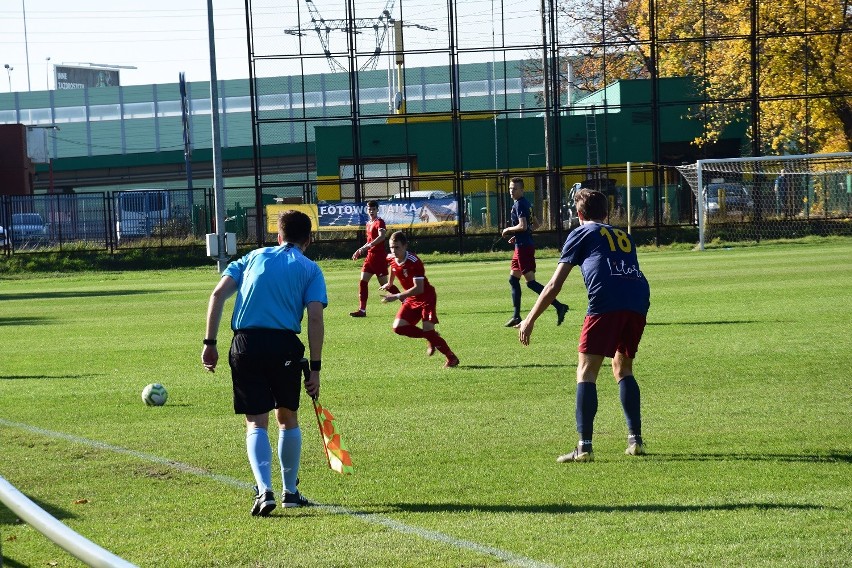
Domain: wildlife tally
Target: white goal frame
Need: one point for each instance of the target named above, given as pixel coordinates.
(701, 166)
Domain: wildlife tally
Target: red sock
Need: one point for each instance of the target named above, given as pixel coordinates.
(409, 331)
(438, 342)
(363, 292)
(393, 289)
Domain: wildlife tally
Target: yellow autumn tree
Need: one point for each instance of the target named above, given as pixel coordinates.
(799, 61)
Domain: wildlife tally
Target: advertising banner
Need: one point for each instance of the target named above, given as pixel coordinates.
(398, 214)
(82, 77)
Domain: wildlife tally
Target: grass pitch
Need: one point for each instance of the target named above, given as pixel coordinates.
(747, 413)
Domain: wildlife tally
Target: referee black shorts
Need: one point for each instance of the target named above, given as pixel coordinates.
(266, 370)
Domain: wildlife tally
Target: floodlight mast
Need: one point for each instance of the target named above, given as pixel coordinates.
(9, 70)
(218, 180)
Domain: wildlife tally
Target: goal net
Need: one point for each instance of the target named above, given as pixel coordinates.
(771, 197)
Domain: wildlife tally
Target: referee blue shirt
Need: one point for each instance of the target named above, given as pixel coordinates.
(275, 284)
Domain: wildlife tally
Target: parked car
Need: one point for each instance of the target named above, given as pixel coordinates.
(570, 220)
(2, 237)
(732, 197)
(27, 227)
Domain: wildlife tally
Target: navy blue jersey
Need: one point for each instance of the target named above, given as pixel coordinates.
(607, 258)
(522, 208)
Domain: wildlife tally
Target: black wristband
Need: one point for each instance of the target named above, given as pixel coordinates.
(316, 365)
(209, 342)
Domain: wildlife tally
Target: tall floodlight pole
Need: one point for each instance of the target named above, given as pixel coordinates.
(187, 140)
(547, 98)
(26, 43)
(218, 187)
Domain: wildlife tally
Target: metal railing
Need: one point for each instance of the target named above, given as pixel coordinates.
(78, 546)
(104, 220)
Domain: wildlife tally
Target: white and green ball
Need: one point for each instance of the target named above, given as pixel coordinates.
(155, 394)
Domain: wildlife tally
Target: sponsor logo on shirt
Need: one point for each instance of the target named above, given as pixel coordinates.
(622, 270)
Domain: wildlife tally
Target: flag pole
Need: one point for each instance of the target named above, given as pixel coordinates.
(306, 371)
(322, 436)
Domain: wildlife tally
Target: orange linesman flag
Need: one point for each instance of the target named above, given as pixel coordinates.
(335, 450)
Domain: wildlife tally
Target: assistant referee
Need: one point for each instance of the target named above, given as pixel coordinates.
(274, 287)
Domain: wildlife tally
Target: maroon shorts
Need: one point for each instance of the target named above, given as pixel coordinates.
(421, 307)
(604, 334)
(523, 260)
(376, 264)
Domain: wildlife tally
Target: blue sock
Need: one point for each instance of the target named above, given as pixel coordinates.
(587, 407)
(515, 283)
(260, 456)
(536, 287)
(289, 453)
(628, 390)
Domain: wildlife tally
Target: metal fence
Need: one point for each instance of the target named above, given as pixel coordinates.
(655, 200)
(104, 220)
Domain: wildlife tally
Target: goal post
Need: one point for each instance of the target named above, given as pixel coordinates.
(770, 196)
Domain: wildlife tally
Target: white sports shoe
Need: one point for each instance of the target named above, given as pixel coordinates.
(635, 448)
(576, 456)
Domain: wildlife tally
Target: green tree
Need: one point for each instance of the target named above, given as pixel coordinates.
(803, 61)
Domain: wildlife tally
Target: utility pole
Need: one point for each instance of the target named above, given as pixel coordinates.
(547, 99)
(26, 43)
(218, 186)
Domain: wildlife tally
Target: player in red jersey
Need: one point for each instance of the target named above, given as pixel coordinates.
(376, 261)
(418, 299)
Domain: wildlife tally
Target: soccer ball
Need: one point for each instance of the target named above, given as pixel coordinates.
(155, 394)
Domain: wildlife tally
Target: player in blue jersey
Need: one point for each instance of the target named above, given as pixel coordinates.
(274, 287)
(619, 298)
(519, 233)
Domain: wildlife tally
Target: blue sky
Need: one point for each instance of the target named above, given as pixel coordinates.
(162, 38)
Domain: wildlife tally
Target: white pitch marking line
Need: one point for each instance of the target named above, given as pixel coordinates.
(510, 558)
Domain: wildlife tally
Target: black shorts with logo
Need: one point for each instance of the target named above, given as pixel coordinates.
(266, 370)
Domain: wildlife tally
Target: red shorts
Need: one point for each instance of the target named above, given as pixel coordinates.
(375, 264)
(604, 334)
(421, 307)
(523, 260)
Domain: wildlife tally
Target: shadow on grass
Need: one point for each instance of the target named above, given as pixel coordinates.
(568, 508)
(10, 519)
(720, 322)
(63, 295)
(507, 312)
(7, 517)
(532, 366)
(830, 457)
(26, 320)
(14, 377)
